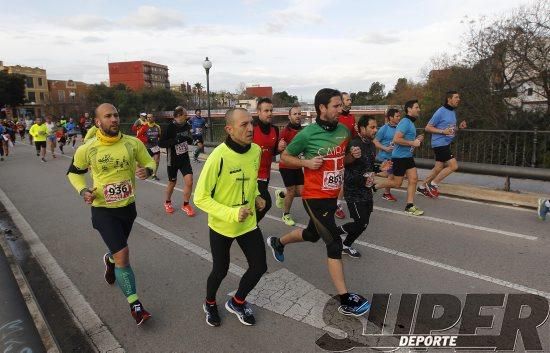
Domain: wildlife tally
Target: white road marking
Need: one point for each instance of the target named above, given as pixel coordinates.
(82, 313)
(446, 221)
(440, 265)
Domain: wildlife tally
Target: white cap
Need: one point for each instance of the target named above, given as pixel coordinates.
(143, 114)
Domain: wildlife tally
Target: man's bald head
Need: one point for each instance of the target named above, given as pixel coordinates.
(100, 110)
(230, 113)
(238, 125)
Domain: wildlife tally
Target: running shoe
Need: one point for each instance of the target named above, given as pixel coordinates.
(433, 190)
(542, 209)
(352, 252)
(212, 315)
(425, 192)
(389, 197)
(243, 312)
(188, 210)
(279, 200)
(139, 313)
(340, 212)
(168, 207)
(289, 221)
(54, 156)
(109, 269)
(357, 306)
(155, 177)
(196, 160)
(414, 211)
(43, 160)
(276, 248)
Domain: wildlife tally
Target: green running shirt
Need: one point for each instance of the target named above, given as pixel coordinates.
(113, 169)
(222, 192)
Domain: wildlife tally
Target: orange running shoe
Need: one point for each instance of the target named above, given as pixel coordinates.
(168, 207)
(189, 210)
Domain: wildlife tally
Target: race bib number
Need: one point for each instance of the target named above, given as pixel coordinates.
(155, 149)
(333, 180)
(198, 130)
(118, 191)
(181, 148)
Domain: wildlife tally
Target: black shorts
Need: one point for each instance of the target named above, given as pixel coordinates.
(401, 165)
(443, 153)
(292, 177)
(83, 132)
(151, 153)
(184, 168)
(114, 225)
(322, 225)
(198, 139)
(39, 144)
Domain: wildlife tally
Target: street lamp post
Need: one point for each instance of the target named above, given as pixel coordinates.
(207, 64)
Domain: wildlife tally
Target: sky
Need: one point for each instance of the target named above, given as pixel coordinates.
(295, 45)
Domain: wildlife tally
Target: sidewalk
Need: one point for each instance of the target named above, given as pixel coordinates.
(17, 330)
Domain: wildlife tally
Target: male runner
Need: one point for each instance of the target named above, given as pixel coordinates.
(443, 128)
(267, 137)
(293, 178)
(176, 138)
(112, 159)
(39, 132)
(198, 126)
(61, 137)
(405, 141)
(384, 142)
(149, 134)
(28, 124)
(324, 146)
(70, 126)
(348, 120)
(51, 138)
(228, 191)
(140, 121)
(358, 182)
(543, 208)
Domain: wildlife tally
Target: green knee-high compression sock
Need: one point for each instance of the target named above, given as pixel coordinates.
(127, 282)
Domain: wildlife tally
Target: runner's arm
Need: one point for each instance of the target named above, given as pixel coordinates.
(77, 170)
(398, 139)
(206, 185)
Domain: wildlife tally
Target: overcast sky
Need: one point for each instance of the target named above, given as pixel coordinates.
(293, 45)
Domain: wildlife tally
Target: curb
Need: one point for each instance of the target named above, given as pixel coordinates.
(46, 336)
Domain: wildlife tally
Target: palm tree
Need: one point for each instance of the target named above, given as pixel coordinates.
(198, 87)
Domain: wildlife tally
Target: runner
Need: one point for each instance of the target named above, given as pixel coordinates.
(384, 142)
(83, 125)
(405, 141)
(21, 128)
(358, 182)
(112, 157)
(28, 123)
(227, 190)
(71, 132)
(348, 120)
(39, 132)
(267, 137)
(176, 138)
(5, 138)
(443, 128)
(198, 126)
(61, 137)
(543, 208)
(149, 134)
(140, 121)
(293, 178)
(323, 145)
(3, 141)
(51, 138)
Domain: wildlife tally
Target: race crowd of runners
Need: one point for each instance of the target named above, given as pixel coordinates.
(334, 158)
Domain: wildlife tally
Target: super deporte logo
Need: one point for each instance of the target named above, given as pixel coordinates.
(488, 322)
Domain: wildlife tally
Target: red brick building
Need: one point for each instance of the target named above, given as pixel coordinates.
(67, 98)
(257, 91)
(139, 74)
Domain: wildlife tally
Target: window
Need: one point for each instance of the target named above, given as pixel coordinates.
(40, 82)
(42, 97)
(529, 91)
(61, 96)
(32, 97)
(30, 82)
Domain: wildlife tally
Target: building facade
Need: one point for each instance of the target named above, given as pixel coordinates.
(68, 98)
(259, 91)
(139, 74)
(36, 90)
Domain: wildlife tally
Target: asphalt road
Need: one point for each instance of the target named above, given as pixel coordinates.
(458, 247)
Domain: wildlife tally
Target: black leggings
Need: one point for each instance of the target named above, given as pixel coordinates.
(263, 188)
(323, 226)
(360, 212)
(252, 245)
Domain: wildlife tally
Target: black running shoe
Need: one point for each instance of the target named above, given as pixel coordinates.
(212, 315)
(109, 270)
(243, 312)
